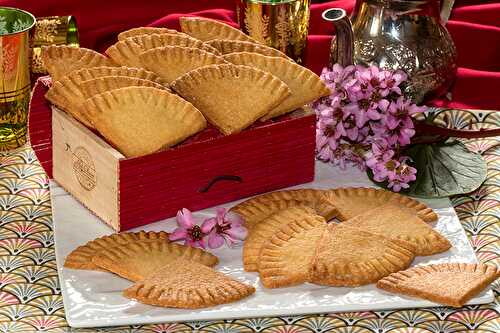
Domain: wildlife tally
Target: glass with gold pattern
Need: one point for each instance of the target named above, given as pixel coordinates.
(282, 24)
(15, 27)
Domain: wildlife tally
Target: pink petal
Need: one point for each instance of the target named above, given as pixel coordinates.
(208, 225)
(179, 233)
(200, 243)
(237, 232)
(215, 240)
(235, 219)
(185, 218)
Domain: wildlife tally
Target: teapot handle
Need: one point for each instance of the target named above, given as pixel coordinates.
(446, 7)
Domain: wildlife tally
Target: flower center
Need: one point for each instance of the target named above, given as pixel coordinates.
(222, 228)
(195, 233)
(376, 96)
(390, 165)
(390, 83)
(374, 82)
(364, 104)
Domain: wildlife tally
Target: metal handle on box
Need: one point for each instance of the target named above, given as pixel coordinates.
(219, 178)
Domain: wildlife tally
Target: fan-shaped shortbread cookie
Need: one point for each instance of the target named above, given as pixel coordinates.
(352, 201)
(171, 62)
(145, 31)
(396, 222)
(162, 119)
(226, 46)
(206, 29)
(306, 86)
(188, 285)
(86, 74)
(126, 52)
(81, 257)
(99, 85)
(257, 208)
(263, 231)
(451, 284)
(347, 256)
(69, 95)
(286, 257)
(231, 97)
(136, 261)
(62, 60)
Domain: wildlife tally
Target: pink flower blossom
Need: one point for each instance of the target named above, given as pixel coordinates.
(365, 122)
(188, 230)
(226, 227)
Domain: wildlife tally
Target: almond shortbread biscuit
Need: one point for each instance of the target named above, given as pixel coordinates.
(352, 201)
(349, 257)
(451, 284)
(188, 285)
(263, 231)
(285, 259)
(81, 257)
(396, 222)
(135, 261)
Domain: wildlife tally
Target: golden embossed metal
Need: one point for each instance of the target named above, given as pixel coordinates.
(280, 24)
(52, 30)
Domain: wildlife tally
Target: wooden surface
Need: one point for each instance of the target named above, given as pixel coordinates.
(86, 166)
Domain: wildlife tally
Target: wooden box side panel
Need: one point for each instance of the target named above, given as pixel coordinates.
(86, 166)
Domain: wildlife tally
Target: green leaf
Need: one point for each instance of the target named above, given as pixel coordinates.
(444, 169)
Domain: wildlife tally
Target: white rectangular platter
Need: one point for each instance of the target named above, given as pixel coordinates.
(94, 299)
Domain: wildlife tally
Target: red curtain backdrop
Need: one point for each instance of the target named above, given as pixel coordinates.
(474, 26)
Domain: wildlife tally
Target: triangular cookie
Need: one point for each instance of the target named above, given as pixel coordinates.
(149, 42)
(69, 95)
(306, 86)
(451, 284)
(95, 72)
(396, 222)
(162, 118)
(263, 231)
(188, 285)
(347, 256)
(81, 257)
(231, 97)
(171, 62)
(259, 207)
(61, 60)
(136, 261)
(226, 46)
(145, 31)
(99, 85)
(287, 255)
(206, 29)
(352, 201)
(126, 52)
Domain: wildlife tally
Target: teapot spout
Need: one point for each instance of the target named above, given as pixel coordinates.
(341, 50)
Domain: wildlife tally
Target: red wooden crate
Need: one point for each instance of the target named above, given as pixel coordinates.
(207, 170)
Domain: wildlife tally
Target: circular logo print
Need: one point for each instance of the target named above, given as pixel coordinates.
(84, 169)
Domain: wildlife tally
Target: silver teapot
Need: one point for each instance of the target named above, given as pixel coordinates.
(397, 34)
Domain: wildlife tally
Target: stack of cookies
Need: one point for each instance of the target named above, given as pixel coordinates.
(164, 273)
(155, 87)
(376, 237)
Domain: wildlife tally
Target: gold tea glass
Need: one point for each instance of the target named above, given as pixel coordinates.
(52, 30)
(15, 27)
(282, 24)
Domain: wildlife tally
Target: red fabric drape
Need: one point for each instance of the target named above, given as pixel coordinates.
(474, 26)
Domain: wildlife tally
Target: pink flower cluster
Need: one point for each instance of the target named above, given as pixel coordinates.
(366, 121)
(225, 227)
